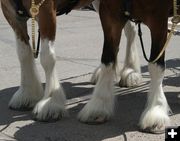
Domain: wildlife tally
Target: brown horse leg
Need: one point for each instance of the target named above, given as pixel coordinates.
(131, 73)
(52, 106)
(30, 90)
(100, 108)
(155, 116)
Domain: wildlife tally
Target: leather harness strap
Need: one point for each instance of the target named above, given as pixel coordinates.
(20, 9)
(127, 7)
(22, 12)
(127, 4)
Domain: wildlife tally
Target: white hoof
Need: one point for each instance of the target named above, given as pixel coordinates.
(101, 106)
(96, 111)
(95, 75)
(50, 108)
(154, 120)
(130, 78)
(25, 98)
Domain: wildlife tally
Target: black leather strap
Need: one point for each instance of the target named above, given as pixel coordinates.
(127, 7)
(20, 9)
(178, 2)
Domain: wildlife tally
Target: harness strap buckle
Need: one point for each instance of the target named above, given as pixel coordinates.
(34, 10)
(176, 19)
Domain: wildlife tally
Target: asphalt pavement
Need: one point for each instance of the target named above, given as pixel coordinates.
(78, 48)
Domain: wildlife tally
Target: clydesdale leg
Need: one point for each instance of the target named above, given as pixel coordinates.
(52, 105)
(131, 73)
(101, 106)
(155, 116)
(30, 90)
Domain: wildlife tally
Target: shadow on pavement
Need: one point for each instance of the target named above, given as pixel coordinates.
(73, 90)
(129, 106)
(128, 110)
(9, 116)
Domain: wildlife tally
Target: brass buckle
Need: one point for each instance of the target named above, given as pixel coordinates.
(34, 10)
(176, 19)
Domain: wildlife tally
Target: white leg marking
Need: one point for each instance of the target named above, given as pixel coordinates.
(52, 106)
(97, 71)
(131, 73)
(100, 108)
(30, 91)
(155, 117)
(95, 75)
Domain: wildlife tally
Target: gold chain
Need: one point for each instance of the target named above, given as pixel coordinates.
(175, 20)
(175, 7)
(34, 10)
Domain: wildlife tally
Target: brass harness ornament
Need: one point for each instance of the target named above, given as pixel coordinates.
(34, 11)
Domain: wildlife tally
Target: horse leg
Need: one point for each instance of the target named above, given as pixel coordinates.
(30, 90)
(155, 116)
(100, 108)
(131, 72)
(52, 105)
(97, 71)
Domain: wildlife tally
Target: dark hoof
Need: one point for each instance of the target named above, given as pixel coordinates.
(22, 108)
(48, 118)
(153, 130)
(94, 121)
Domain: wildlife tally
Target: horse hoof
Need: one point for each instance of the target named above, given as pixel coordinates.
(94, 120)
(47, 110)
(47, 118)
(179, 96)
(21, 108)
(93, 116)
(23, 100)
(130, 79)
(154, 120)
(154, 130)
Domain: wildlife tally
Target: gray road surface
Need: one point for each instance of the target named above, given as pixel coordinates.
(78, 46)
